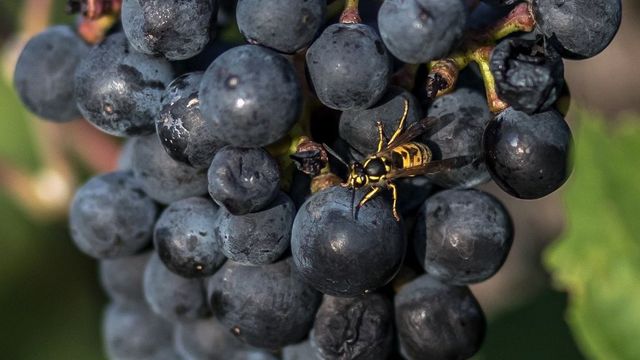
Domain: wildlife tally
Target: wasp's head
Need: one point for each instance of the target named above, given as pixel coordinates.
(357, 175)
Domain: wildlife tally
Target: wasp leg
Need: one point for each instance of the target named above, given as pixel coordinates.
(394, 195)
(381, 139)
(374, 190)
(405, 113)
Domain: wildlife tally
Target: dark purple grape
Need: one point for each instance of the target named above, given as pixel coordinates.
(528, 155)
(267, 306)
(436, 321)
(463, 115)
(43, 76)
(259, 237)
(121, 278)
(359, 129)
(118, 89)
(111, 216)
(285, 26)
(579, 29)
(463, 236)
(341, 255)
(171, 296)
(353, 328)
(418, 31)
(349, 67)
(251, 96)
(133, 332)
(185, 238)
(176, 29)
(162, 178)
(528, 74)
(243, 180)
(182, 130)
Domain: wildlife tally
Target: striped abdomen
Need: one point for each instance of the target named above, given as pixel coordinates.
(410, 155)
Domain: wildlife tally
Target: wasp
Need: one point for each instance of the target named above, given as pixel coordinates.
(396, 158)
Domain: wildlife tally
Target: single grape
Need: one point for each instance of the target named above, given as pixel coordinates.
(133, 332)
(111, 216)
(463, 236)
(528, 155)
(349, 66)
(285, 26)
(353, 328)
(185, 238)
(462, 115)
(183, 132)
(260, 237)
(243, 180)
(177, 29)
(267, 306)
(418, 31)
(171, 296)
(121, 278)
(162, 178)
(436, 321)
(358, 127)
(579, 29)
(205, 339)
(528, 74)
(118, 89)
(248, 107)
(43, 77)
(342, 255)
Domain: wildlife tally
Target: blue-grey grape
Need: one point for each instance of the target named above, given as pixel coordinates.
(43, 76)
(268, 306)
(111, 216)
(259, 237)
(185, 238)
(172, 296)
(285, 26)
(118, 89)
(349, 66)
(248, 107)
(177, 29)
(162, 178)
(121, 278)
(243, 180)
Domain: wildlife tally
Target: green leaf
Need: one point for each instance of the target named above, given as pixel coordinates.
(598, 258)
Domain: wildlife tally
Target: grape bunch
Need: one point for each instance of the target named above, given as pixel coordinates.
(253, 213)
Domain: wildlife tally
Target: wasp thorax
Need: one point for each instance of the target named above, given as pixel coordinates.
(375, 167)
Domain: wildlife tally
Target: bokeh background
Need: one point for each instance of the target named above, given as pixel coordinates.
(570, 288)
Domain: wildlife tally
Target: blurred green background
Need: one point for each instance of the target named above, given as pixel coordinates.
(569, 290)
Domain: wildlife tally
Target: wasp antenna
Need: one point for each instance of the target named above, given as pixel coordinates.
(335, 155)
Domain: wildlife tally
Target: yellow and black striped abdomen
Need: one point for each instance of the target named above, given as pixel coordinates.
(410, 155)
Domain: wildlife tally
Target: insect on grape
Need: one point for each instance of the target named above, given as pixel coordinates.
(396, 158)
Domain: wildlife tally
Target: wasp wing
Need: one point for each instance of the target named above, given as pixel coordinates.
(418, 128)
(432, 167)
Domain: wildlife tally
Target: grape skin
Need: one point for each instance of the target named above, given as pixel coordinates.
(111, 216)
(42, 73)
(349, 67)
(125, 98)
(146, 25)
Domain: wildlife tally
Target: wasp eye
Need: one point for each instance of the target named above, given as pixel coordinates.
(375, 167)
